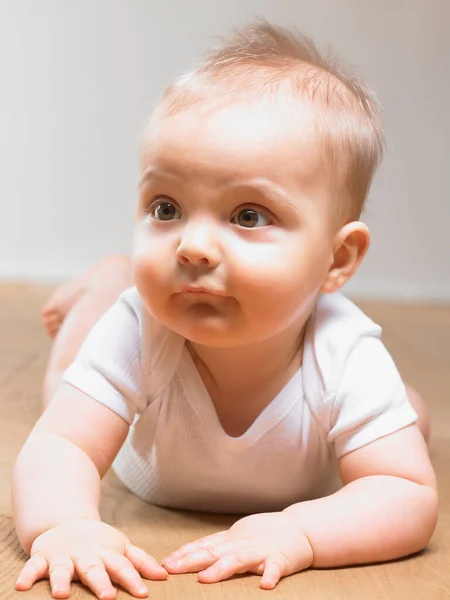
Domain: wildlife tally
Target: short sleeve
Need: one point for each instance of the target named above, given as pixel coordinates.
(371, 400)
(108, 364)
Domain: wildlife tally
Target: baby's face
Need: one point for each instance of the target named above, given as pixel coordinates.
(233, 235)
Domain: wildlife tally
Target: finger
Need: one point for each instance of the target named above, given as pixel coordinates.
(145, 564)
(238, 561)
(122, 571)
(205, 542)
(60, 573)
(93, 574)
(35, 568)
(259, 570)
(195, 561)
(273, 572)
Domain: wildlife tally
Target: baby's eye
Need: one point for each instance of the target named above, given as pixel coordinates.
(165, 211)
(251, 218)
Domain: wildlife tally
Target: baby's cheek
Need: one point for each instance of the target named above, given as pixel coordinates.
(149, 272)
(146, 265)
(269, 271)
(142, 240)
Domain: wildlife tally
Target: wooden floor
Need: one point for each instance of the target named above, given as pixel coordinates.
(419, 340)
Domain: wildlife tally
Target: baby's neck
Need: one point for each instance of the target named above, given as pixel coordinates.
(237, 371)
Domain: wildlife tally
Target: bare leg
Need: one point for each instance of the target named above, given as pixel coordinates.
(65, 296)
(79, 304)
(423, 421)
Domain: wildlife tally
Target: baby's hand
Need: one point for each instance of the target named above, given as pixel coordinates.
(269, 544)
(93, 552)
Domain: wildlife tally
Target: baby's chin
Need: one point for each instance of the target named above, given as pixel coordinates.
(207, 329)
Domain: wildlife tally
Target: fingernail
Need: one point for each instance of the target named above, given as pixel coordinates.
(142, 589)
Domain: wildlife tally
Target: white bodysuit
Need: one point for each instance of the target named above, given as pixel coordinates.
(346, 394)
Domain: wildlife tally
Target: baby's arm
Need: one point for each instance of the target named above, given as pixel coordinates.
(386, 509)
(56, 488)
(57, 473)
(388, 505)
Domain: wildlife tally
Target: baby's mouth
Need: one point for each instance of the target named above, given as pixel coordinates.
(201, 290)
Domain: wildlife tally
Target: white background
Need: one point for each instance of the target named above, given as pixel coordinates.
(78, 79)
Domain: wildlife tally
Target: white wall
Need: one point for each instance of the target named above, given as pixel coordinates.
(78, 78)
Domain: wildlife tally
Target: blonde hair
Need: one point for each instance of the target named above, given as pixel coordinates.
(266, 61)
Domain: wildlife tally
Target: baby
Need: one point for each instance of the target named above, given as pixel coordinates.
(222, 370)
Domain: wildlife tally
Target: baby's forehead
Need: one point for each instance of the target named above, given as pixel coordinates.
(235, 148)
(256, 109)
(263, 131)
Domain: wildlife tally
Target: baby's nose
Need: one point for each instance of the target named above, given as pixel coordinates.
(198, 247)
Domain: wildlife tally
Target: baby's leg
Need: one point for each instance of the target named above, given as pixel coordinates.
(423, 421)
(79, 304)
(65, 296)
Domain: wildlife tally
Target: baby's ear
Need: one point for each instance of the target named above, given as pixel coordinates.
(351, 244)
